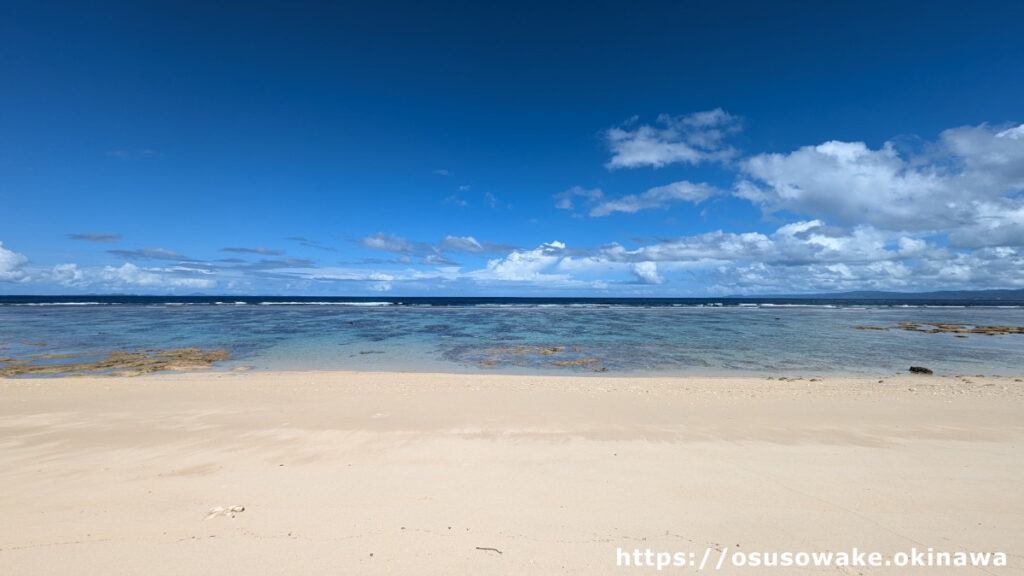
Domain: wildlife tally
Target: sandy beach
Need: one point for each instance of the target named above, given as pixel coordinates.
(404, 473)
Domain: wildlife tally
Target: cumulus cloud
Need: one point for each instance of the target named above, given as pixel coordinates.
(992, 161)
(797, 243)
(526, 265)
(129, 274)
(799, 257)
(10, 264)
(1016, 133)
(96, 237)
(949, 215)
(995, 223)
(68, 275)
(950, 271)
(968, 185)
(647, 273)
(851, 184)
(803, 256)
(658, 197)
(690, 139)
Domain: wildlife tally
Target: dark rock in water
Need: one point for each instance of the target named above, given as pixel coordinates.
(919, 370)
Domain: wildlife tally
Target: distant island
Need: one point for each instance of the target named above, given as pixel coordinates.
(960, 295)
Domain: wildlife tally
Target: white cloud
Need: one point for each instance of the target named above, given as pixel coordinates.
(526, 265)
(968, 185)
(565, 199)
(431, 254)
(997, 223)
(712, 247)
(380, 282)
(688, 139)
(1016, 133)
(387, 243)
(10, 264)
(436, 259)
(376, 281)
(797, 243)
(985, 268)
(992, 162)
(647, 273)
(454, 199)
(191, 283)
(799, 257)
(852, 217)
(68, 275)
(811, 256)
(462, 244)
(131, 275)
(658, 197)
(851, 184)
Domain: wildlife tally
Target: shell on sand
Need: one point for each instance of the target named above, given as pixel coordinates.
(225, 511)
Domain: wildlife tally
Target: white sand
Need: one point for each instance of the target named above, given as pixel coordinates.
(386, 473)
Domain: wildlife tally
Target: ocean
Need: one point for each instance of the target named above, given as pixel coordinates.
(724, 336)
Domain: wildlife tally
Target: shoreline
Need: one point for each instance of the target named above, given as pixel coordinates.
(768, 380)
(430, 473)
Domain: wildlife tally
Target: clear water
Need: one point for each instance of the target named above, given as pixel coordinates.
(623, 338)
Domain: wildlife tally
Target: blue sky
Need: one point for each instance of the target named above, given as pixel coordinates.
(520, 148)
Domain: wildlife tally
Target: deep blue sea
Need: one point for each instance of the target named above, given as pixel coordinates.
(760, 337)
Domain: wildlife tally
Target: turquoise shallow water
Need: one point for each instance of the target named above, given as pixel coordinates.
(575, 337)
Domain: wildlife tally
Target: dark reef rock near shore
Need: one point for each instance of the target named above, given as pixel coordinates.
(961, 330)
(543, 351)
(577, 362)
(519, 356)
(919, 370)
(946, 328)
(117, 363)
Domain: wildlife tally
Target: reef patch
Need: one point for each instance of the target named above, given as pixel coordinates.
(116, 363)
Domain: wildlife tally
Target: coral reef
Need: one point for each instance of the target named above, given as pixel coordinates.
(117, 363)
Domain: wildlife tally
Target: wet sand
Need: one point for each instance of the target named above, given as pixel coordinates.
(396, 473)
